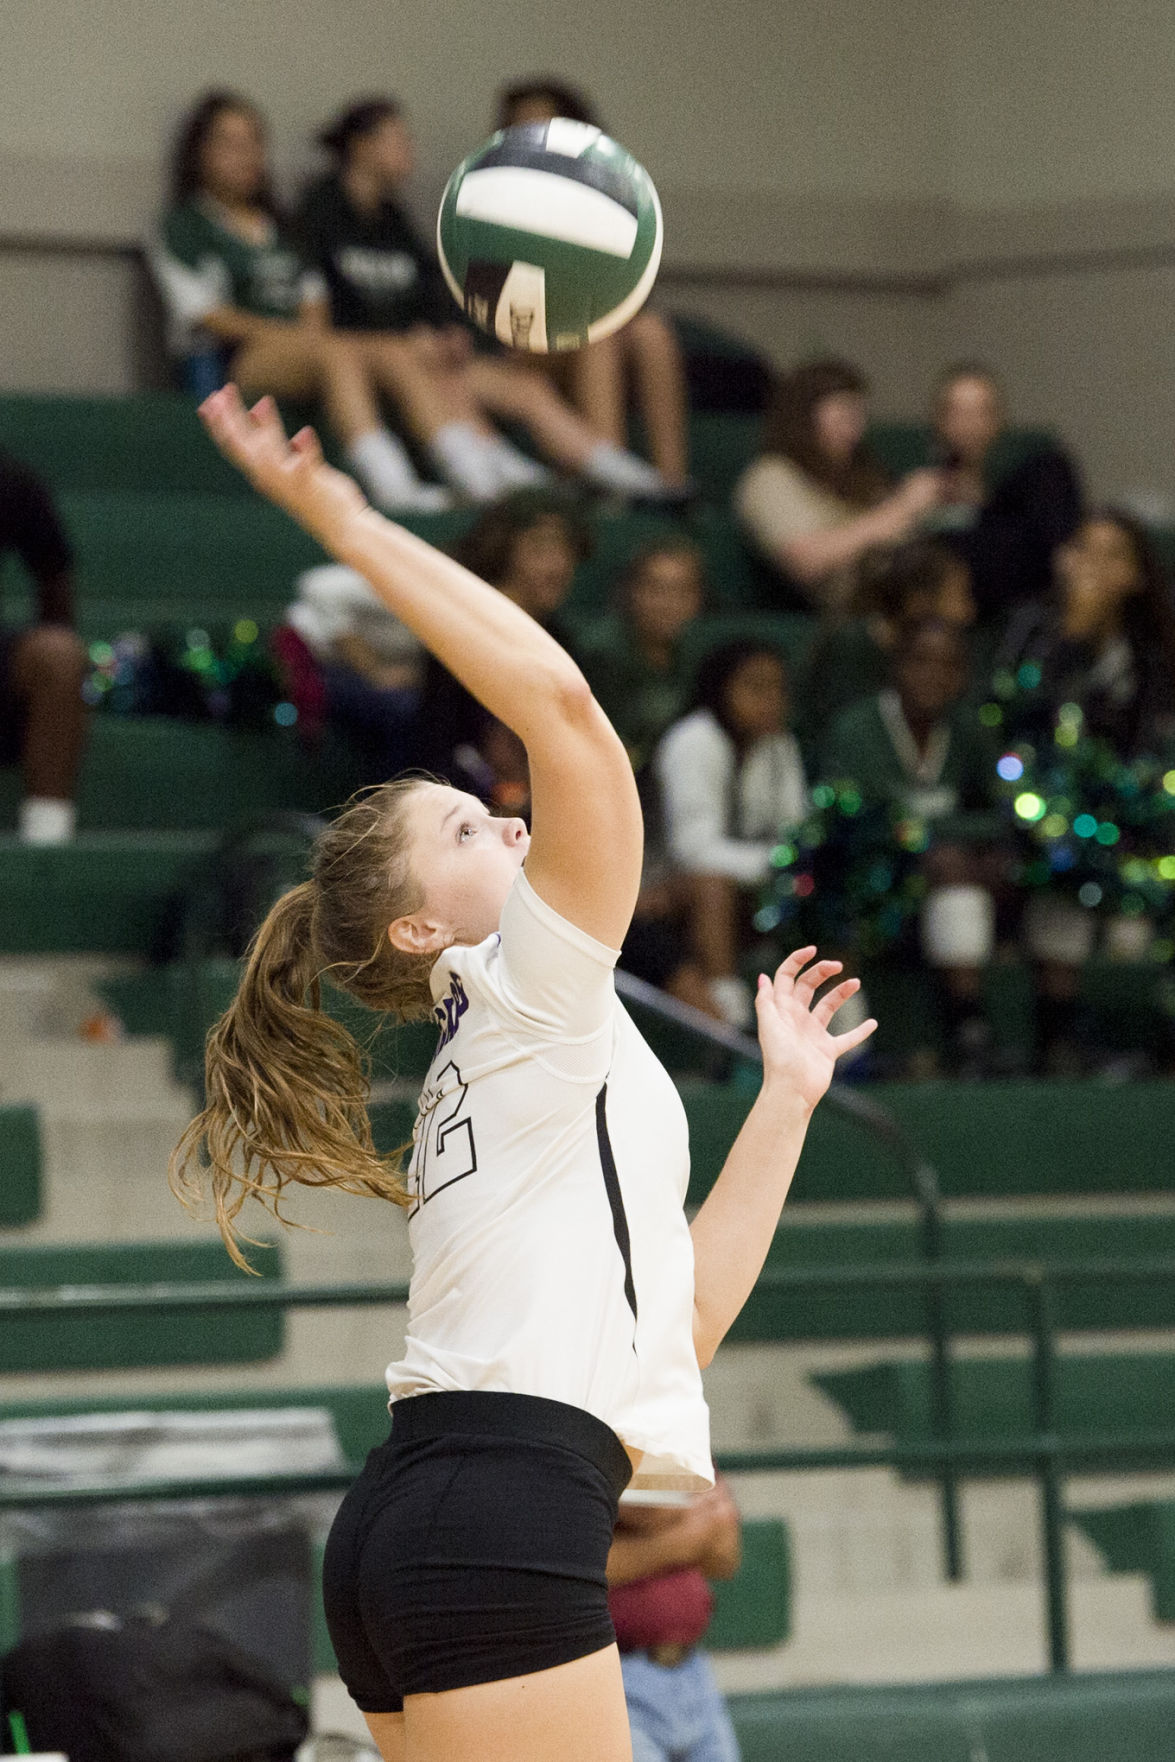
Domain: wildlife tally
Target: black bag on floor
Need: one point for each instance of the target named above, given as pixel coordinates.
(104, 1689)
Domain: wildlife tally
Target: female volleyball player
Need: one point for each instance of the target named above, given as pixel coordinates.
(560, 1307)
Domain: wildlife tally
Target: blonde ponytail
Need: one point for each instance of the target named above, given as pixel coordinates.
(287, 1085)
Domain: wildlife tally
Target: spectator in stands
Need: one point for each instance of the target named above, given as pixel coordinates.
(921, 578)
(528, 546)
(242, 301)
(367, 667)
(1007, 526)
(387, 295)
(633, 659)
(1104, 640)
(644, 354)
(918, 752)
(730, 779)
(42, 666)
(661, 1605)
(816, 500)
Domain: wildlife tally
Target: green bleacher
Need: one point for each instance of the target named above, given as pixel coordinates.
(118, 1340)
(1099, 1396)
(1080, 1718)
(21, 1165)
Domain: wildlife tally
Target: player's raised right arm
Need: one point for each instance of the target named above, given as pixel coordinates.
(586, 833)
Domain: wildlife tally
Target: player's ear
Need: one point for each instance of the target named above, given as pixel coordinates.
(418, 933)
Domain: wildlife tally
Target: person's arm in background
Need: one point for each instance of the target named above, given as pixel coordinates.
(810, 553)
(651, 1540)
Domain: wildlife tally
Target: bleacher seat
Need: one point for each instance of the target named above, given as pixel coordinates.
(1118, 1395)
(986, 1140)
(21, 1165)
(120, 1340)
(753, 1610)
(1078, 1718)
(1138, 1537)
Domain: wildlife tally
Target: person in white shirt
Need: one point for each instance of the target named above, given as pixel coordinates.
(731, 781)
(560, 1310)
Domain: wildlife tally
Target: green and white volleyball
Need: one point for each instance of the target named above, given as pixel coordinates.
(550, 236)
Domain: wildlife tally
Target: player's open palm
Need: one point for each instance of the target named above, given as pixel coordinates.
(794, 1029)
(291, 473)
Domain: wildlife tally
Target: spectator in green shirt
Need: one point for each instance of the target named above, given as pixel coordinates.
(633, 662)
(243, 304)
(851, 660)
(918, 750)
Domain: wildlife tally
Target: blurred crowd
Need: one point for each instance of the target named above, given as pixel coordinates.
(943, 738)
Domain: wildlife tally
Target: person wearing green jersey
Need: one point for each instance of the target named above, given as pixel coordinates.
(241, 300)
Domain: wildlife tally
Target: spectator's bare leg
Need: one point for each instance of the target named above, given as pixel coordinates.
(658, 374)
(526, 395)
(427, 393)
(308, 363)
(48, 668)
(598, 387)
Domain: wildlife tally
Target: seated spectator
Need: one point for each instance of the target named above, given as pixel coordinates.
(919, 579)
(658, 1566)
(43, 666)
(917, 751)
(387, 295)
(528, 546)
(644, 354)
(730, 780)
(816, 501)
(243, 304)
(1103, 642)
(1005, 528)
(368, 666)
(633, 660)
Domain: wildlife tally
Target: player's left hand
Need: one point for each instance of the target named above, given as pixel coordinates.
(798, 1048)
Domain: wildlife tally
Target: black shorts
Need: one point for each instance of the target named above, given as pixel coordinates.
(473, 1546)
(11, 713)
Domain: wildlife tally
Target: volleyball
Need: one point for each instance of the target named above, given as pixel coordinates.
(550, 236)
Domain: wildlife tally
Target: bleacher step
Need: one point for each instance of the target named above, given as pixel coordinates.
(952, 1632)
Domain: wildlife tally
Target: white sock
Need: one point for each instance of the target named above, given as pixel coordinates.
(734, 998)
(613, 468)
(381, 463)
(43, 819)
(514, 468)
(469, 460)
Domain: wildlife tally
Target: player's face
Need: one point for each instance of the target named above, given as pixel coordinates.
(839, 421)
(756, 697)
(932, 674)
(542, 566)
(232, 159)
(465, 860)
(388, 151)
(534, 107)
(665, 596)
(969, 417)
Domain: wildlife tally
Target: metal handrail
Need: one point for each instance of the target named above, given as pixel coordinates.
(1043, 1450)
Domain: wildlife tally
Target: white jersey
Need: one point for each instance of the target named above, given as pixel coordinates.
(551, 1253)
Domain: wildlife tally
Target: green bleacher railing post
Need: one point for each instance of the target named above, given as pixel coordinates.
(1038, 1291)
(941, 1396)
